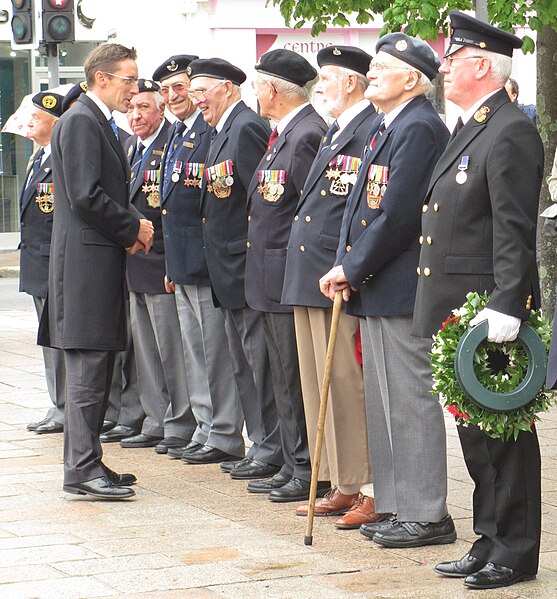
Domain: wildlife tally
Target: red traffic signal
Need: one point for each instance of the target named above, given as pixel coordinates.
(58, 21)
(22, 21)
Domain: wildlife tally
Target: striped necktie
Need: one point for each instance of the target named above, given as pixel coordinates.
(112, 123)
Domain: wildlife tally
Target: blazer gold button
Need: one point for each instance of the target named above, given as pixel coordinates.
(296, 217)
(436, 207)
(424, 208)
(203, 220)
(302, 248)
(164, 210)
(249, 218)
(308, 219)
(323, 192)
(364, 224)
(428, 240)
(427, 272)
(421, 239)
(348, 248)
(248, 244)
(419, 271)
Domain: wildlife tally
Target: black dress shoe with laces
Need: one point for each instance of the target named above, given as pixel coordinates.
(207, 455)
(101, 487)
(49, 427)
(297, 489)
(466, 565)
(369, 530)
(417, 534)
(119, 432)
(493, 576)
(266, 485)
(252, 470)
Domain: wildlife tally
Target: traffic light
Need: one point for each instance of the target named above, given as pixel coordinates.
(23, 22)
(58, 21)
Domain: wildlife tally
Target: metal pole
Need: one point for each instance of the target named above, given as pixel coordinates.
(481, 10)
(53, 66)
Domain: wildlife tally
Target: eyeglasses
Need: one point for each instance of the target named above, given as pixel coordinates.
(450, 59)
(177, 88)
(380, 67)
(200, 95)
(129, 81)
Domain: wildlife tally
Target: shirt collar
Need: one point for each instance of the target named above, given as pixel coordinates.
(102, 106)
(473, 109)
(149, 140)
(350, 113)
(281, 125)
(389, 118)
(225, 116)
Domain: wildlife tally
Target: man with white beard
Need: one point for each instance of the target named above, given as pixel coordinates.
(339, 94)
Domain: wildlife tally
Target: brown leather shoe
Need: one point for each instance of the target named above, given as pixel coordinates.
(361, 512)
(333, 504)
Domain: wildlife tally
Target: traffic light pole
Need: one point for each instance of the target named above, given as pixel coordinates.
(53, 66)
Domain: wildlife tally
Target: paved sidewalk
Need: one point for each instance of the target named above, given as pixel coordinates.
(193, 533)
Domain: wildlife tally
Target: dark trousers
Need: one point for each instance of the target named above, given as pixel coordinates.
(507, 497)
(88, 380)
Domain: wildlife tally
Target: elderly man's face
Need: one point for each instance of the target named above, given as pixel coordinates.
(175, 90)
(144, 116)
(387, 78)
(329, 91)
(211, 96)
(40, 126)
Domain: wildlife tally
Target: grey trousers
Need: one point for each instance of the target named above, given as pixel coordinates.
(406, 430)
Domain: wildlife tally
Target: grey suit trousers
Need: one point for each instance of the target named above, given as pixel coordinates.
(214, 397)
(161, 372)
(55, 373)
(406, 430)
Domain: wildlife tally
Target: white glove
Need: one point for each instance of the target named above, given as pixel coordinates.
(502, 327)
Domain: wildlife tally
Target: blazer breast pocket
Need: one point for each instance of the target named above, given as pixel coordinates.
(93, 237)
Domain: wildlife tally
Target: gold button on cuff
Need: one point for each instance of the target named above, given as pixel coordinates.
(436, 207)
(428, 240)
(427, 272)
(296, 217)
(421, 239)
(308, 219)
(203, 220)
(249, 218)
(248, 244)
(418, 270)
(164, 210)
(424, 208)
(348, 248)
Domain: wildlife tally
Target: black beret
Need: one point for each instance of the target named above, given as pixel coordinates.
(412, 51)
(173, 66)
(49, 102)
(348, 57)
(468, 31)
(73, 94)
(147, 85)
(286, 65)
(216, 68)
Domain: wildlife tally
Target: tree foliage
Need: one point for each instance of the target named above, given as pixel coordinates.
(420, 18)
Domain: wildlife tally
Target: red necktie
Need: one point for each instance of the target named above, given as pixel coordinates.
(378, 134)
(272, 138)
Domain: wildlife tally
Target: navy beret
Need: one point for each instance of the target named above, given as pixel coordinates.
(348, 57)
(147, 85)
(49, 102)
(216, 68)
(412, 51)
(286, 65)
(173, 65)
(73, 94)
(468, 31)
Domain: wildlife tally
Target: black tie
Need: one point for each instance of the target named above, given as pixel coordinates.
(329, 135)
(178, 133)
(36, 165)
(137, 157)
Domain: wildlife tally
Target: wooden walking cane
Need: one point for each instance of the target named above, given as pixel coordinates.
(308, 539)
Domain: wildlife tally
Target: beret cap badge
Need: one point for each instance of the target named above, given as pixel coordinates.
(49, 101)
(172, 66)
(401, 45)
(188, 70)
(337, 52)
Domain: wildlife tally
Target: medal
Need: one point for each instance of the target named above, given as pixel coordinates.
(377, 179)
(220, 178)
(343, 172)
(462, 176)
(151, 187)
(44, 198)
(194, 174)
(175, 177)
(271, 184)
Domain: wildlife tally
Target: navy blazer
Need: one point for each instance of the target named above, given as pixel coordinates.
(36, 232)
(378, 246)
(243, 140)
(270, 220)
(181, 218)
(145, 273)
(315, 229)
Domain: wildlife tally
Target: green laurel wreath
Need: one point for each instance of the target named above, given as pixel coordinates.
(497, 425)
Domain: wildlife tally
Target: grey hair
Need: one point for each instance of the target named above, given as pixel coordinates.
(501, 65)
(285, 87)
(361, 79)
(158, 99)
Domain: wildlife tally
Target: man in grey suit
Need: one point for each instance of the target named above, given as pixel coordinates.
(93, 228)
(36, 208)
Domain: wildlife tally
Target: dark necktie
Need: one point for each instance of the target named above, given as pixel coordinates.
(458, 127)
(272, 138)
(112, 123)
(136, 160)
(172, 150)
(329, 135)
(36, 165)
(378, 134)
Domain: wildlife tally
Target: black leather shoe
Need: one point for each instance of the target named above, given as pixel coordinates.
(176, 453)
(267, 485)
(108, 425)
(140, 440)
(461, 568)
(119, 432)
(297, 490)
(120, 480)
(101, 487)
(169, 442)
(229, 466)
(369, 530)
(417, 534)
(253, 469)
(492, 576)
(33, 426)
(207, 455)
(49, 427)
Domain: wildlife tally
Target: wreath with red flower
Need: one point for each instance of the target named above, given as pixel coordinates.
(500, 367)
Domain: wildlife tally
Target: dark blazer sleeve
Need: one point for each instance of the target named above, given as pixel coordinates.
(81, 140)
(251, 144)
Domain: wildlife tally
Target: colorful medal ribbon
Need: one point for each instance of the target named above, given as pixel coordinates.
(194, 174)
(220, 179)
(343, 171)
(271, 184)
(44, 198)
(151, 187)
(377, 179)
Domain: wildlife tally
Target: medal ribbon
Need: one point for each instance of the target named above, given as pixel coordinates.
(348, 164)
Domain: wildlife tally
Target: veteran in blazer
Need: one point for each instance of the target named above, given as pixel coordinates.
(36, 209)
(312, 246)
(479, 227)
(282, 88)
(376, 268)
(213, 395)
(238, 143)
(93, 227)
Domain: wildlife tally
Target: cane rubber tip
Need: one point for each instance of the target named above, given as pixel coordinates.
(308, 540)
